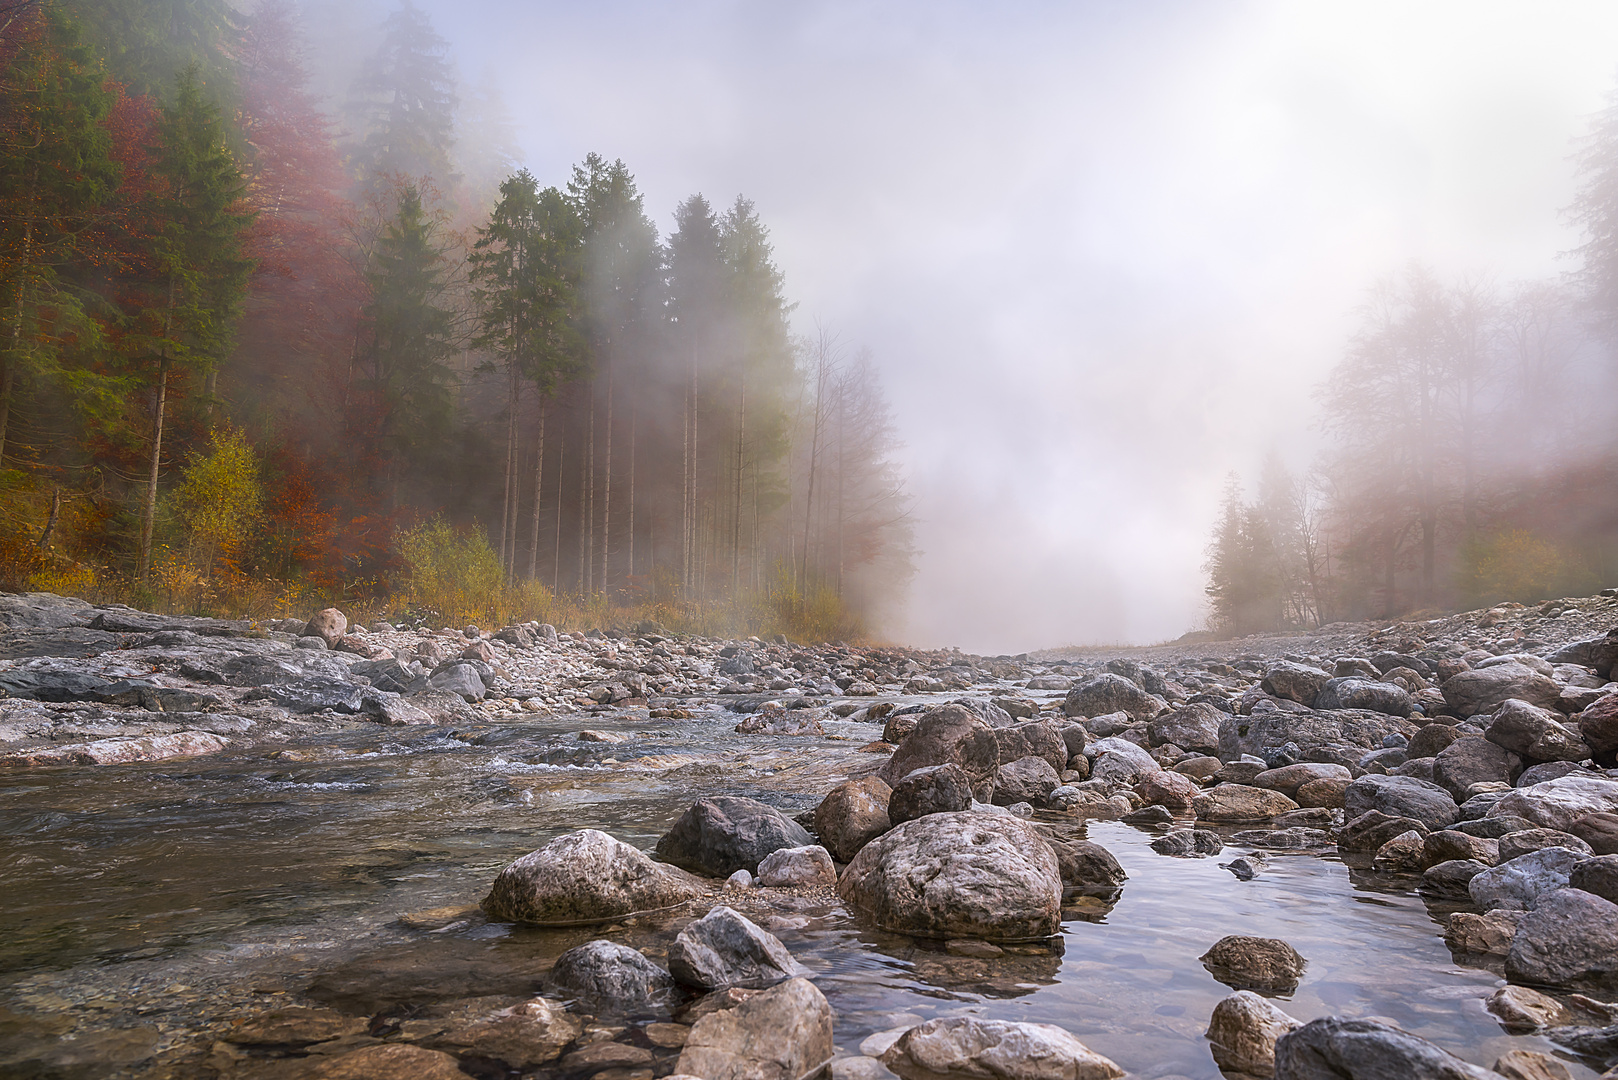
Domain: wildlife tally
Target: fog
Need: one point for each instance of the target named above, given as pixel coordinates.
(1102, 253)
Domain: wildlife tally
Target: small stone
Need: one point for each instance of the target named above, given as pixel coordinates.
(1254, 963)
(809, 865)
(1530, 1065)
(1521, 1009)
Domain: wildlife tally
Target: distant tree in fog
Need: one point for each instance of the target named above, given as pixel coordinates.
(403, 104)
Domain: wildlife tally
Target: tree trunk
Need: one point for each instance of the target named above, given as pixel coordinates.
(539, 488)
(561, 466)
(9, 376)
(508, 556)
(634, 414)
(606, 497)
(741, 458)
(148, 510)
(50, 522)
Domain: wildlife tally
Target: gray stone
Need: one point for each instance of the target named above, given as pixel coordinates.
(583, 877)
(1472, 759)
(961, 1047)
(1335, 1049)
(1364, 694)
(1037, 738)
(1451, 879)
(610, 977)
(948, 734)
(1299, 682)
(1483, 689)
(1557, 804)
(1401, 796)
(459, 678)
(1119, 761)
(783, 1033)
(1597, 876)
(1086, 866)
(726, 833)
(1546, 770)
(937, 789)
(1030, 780)
(1570, 939)
(1369, 831)
(724, 948)
(1188, 843)
(1534, 733)
(1190, 727)
(1521, 883)
(797, 866)
(1289, 778)
(1523, 841)
(1110, 693)
(853, 814)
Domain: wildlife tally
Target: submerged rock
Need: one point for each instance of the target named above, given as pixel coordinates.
(969, 1047)
(724, 948)
(782, 1033)
(610, 976)
(1332, 1048)
(1254, 963)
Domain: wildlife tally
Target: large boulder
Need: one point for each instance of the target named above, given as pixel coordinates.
(969, 1047)
(1598, 723)
(1311, 735)
(1029, 780)
(328, 624)
(1558, 804)
(1255, 963)
(1352, 693)
(1520, 884)
(1297, 682)
(1193, 727)
(1599, 830)
(1598, 876)
(1402, 796)
(782, 1033)
(610, 976)
(1086, 866)
(1472, 759)
(1289, 778)
(721, 835)
(1369, 831)
(1481, 690)
(1036, 738)
(988, 876)
(1119, 761)
(1332, 1048)
(1570, 939)
(948, 734)
(1110, 693)
(853, 814)
(1173, 790)
(1534, 733)
(583, 877)
(937, 789)
(1226, 804)
(725, 948)
(1242, 1033)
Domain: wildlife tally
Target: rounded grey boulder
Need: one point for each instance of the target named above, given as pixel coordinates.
(727, 833)
(610, 976)
(937, 789)
(583, 877)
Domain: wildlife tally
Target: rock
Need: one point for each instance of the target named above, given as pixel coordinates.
(1320, 736)
(741, 879)
(1447, 844)
(1599, 830)
(329, 625)
(461, 679)
(853, 814)
(1521, 883)
(1533, 732)
(1148, 815)
(1530, 1065)
(958, 875)
(788, 867)
(1569, 939)
(1335, 1049)
(1298, 682)
(1242, 1033)
(1188, 843)
(779, 721)
(296, 1026)
(1037, 738)
(582, 877)
(1472, 759)
(1597, 876)
(1598, 724)
(948, 734)
(391, 1060)
(1086, 866)
(1254, 963)
(1432, 740)
(1450, 879)
(1190, 727)
(1110, 693)
(724, 948)
(726, 833)
(1483, 689)
(1520, 1010)
(524, 1036)
(898, 725)
(937, 789)
(1230, 803)
(1546, 770)
(1557, 804)
(1522, 841)
(1368, 694)
(1327, 793)
(1489, 934)
(1119, 761)
(1029, 780)
(782, 1033)
(1401, 796)
(606, 1057)
(1168, 789)
(961, 1047)
(1401, 855)
(1370, 830)
(1289, 778)
(610, 976)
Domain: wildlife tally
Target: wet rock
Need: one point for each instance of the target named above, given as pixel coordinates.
(524, 1036)
(1370, 830)
(1489, 934)
(948, 734)
(1233, 803)
(1168, 789)
(1321, 736)
(1599, 830)
(1029, 780)
(1483, 689)
(1597, 876)
(1401, 855)
(1401, 796)
(1333, 1049)
(937, 789)
(900, 724)
(583, 877)
(610, 976)
(726, 833)
(1472, 759)
(1110, 693)
(181, 744)
(1530, 1065)
(1190, 727)
(779, 721)
(1450, 879)
(1119, 761)
(1327, 793)
(1569, 939)
(1037, 738)
(1521, 883)
(328, 624)
(1447, 844)
(607, 1059)
(1188, 843)
(1364, 694)
(1268, 965)
(1557, 804)
(783, 1033)
(969, 1047)
(296, 1026)
(789, 867)
(724, 948)
(390, 1061)
(1087, 866)
(1534, 732)
(1522, 841)
(1521, 1009)
(460, 679)
(958, 875)
(853, 814)
(1242, 1032)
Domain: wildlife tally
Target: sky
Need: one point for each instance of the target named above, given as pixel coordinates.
(1102, 253)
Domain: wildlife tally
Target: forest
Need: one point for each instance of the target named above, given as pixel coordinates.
(263, 349)
(1471, 453)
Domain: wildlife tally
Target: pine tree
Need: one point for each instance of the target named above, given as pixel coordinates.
(404, 103)
(697, 279)
(148, 43)
(200, 270)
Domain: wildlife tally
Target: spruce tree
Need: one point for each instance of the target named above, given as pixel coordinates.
(404, 104)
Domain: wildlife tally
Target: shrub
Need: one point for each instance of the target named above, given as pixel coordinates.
(1517, 565)
(453, 574)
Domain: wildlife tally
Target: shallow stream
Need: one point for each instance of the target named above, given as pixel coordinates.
(144, 907)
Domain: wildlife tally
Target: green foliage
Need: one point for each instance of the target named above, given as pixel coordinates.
(452, 572)
(219, 499)
(404, 103)
(148, 43)
(1244, 587)
(1517, 565)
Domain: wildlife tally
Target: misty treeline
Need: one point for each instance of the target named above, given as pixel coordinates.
(252, 350)
(1473, 454)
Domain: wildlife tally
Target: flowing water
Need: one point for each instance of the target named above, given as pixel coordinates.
(144, 907)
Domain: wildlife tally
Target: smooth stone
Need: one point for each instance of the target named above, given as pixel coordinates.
(799, 866)
(936, 789)
(1254, 963)
(1332, 1048)
(1521, 883)
(610, 976)
(725, 948)
(583, 877)
(853, 814)
(1569, 939)
(969, 1047)
(1242, 1032)
(782, 1033)
(718, 836)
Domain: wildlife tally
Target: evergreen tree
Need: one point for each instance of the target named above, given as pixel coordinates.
(200, 269)
(404, 103)
(1243, 583)
(696, 288)
(1595, 210)
(148, 43)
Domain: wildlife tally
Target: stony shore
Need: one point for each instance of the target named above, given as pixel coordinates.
(1473, 754)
